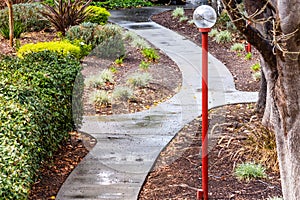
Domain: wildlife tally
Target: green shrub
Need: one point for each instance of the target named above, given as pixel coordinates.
(150, 54)
(100, 98)
(97, 15)
(28, 14)
(18, 30)
(248, 56)
(140, 43)
(119, 61)
(256, 67)
(178, 12)
(107, 76)
(85, 49)
(106, 41)
(248, 171)
(111, 48)
(213, 33)
(135, 40)
(94, 81)
(35, 115)
(62, 47)
(183, 18)
(139, 79)
(114, 4)
(84, 32)
(256, 76)
(144, 65)
(223, 37)
(237, 47)
(65, 14)
(122, 93)
(223, 19)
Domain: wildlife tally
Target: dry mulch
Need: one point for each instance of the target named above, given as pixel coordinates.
(177, 173)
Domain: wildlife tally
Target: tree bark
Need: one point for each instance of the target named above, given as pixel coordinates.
(279, 44)
(11, 22)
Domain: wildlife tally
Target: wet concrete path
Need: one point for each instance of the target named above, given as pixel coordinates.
(128, 145)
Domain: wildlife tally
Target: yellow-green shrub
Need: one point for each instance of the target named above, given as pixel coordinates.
(62, 47)
(97, 15)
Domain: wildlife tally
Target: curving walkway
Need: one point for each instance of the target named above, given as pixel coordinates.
(128, 145)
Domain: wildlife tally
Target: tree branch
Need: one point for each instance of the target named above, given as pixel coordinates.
(253, 36)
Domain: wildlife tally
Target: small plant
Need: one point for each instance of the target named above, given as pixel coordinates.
(238, 47)
(213, 33)
(107, 76)
(122, 93)
(18, 30)
(135, 40)
(223, 19)
(95, 82)
(150, 54)
(144, 65)
(100, 98)
(256, 67)
(248, 56)
(97, 15)
(256, 76)
(261, 145)
(249, 171)
(139, 79)
(178, 12)
(191, 21)
(223, 37)
(119, 61)
(113, 69)
(140, 43)
(183, 18)
(65, 14)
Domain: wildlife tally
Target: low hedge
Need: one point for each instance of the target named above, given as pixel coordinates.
(35, 115)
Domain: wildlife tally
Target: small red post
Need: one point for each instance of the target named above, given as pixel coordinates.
(204, 32)
(248, 47)
(199, 194)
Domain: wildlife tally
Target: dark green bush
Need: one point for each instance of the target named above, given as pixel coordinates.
(28, 14)
(35, 115)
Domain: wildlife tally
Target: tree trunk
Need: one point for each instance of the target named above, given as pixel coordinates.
(262, 95)
(281, 52)
(252, 6)
(11, 22)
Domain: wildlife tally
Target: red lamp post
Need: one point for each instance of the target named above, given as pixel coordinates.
(204, 17)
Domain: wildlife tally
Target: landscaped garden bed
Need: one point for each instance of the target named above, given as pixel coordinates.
(147, 82)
